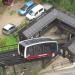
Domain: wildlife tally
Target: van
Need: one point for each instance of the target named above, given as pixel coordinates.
(35, 12)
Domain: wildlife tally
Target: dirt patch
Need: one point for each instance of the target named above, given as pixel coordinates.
(10, 15)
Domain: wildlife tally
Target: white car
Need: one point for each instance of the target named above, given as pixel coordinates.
(8, 28)
(35, 12)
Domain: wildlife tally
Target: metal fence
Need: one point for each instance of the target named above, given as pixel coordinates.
(8, 48)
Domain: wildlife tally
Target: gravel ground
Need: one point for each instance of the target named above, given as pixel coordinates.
(7, 17)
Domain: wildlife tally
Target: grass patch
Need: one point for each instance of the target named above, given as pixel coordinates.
(10, 40)
(8, 43)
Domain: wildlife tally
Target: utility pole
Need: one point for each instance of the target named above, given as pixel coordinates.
(14, 70)
(3, 68)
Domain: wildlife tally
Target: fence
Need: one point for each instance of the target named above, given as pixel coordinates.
(8, 48)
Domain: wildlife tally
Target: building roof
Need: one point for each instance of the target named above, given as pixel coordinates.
(47, 19)
(35, 40)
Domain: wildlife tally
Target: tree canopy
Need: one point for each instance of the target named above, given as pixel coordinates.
(68, 5)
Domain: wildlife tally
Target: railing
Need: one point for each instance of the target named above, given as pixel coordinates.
(8, 48)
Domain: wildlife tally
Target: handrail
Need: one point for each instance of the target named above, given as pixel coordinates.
(8, 48)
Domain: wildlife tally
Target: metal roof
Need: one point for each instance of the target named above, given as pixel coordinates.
(47, 19)
(35, 40)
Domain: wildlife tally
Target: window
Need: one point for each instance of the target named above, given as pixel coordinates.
(30, 50)
(49, 47)
(46, 48)
(31, 13)
(12, 28)
(37, 49)
(24, 7)
(41, 48)
(21, 49)
(40, 9)
(36, 13)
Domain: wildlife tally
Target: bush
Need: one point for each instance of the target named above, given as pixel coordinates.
(22, 25)
(1, 2)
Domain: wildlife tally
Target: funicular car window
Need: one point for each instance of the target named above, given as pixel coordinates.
(45, 47)
(53, 46)
(37, 49)
(49, 47)
(30, 50)
(21, 48)
(41, 48)
(31, 13)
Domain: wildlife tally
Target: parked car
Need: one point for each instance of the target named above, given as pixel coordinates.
(8, 29)
(26, 7)
(35, 12)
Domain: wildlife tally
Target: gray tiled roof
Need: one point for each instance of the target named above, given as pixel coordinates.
(47, 19)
